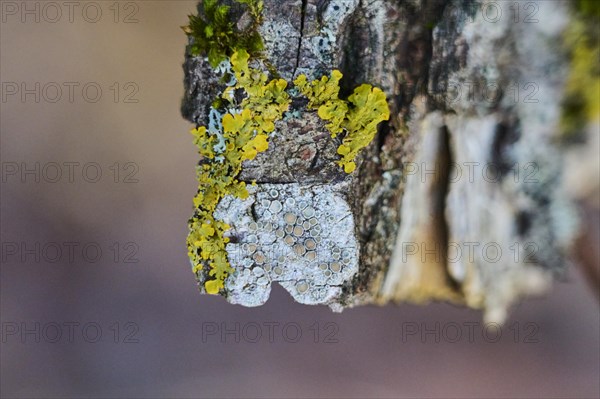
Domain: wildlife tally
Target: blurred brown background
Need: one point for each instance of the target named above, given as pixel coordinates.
(557, 355)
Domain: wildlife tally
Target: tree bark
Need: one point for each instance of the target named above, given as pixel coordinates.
(460, 196)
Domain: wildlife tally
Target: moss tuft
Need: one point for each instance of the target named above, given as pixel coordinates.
(216, 36)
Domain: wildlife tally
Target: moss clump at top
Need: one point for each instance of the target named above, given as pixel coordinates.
(216, 36)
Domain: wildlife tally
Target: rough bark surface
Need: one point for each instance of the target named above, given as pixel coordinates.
(464, 168)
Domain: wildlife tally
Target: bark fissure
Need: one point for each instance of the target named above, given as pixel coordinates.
(444, 189)
(298, 52)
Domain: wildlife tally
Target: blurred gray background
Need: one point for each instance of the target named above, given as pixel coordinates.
(149, 314)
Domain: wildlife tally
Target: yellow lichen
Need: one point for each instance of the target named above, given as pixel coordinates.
(358, 117)
(245, 134)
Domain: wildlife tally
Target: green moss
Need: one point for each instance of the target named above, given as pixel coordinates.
(216, 36)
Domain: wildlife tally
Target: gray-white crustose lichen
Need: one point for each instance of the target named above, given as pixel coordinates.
(300, 236)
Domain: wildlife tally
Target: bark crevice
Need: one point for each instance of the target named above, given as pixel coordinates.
(302, 17)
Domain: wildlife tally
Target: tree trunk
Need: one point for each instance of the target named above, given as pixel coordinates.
(459, 197)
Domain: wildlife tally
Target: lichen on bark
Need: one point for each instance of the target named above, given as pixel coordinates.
(402, 212)
(240, 121)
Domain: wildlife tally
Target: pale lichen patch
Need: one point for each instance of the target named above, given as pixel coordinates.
(305, 267)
